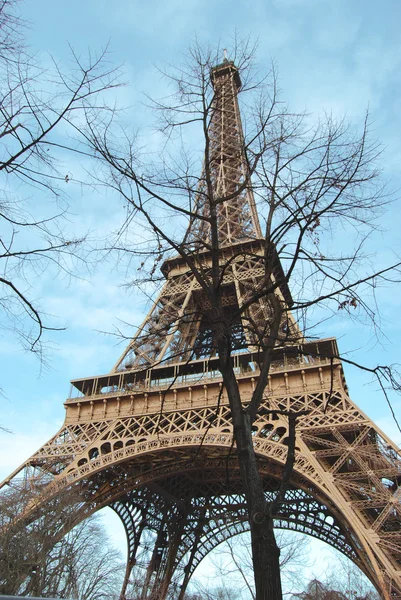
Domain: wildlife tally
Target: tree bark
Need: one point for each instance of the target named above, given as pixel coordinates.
(265, 551)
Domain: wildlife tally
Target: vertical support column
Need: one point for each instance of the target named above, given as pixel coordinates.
(155, 562)
(134, 521)
(188, 570)
(131, 558)
(166, 550)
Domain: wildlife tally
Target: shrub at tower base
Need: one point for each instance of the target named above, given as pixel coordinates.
(254, 229)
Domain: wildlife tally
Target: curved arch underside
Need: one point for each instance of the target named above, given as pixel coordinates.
(345, 470)
(199, 488)
(211, 508)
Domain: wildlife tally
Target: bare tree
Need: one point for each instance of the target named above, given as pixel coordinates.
(345, 577)
(37, 559)
(312, 182)
(41, 113)
(316, 590)
(233, 565)
(347, 586)
(293, 558)
(216, 593)
(137, 586)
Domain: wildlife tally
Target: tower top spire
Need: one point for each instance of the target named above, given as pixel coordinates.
(227, 167)
(223, 71)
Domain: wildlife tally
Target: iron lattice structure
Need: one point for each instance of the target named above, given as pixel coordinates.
(153, 438)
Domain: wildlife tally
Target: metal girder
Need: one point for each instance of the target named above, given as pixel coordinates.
(206, 521)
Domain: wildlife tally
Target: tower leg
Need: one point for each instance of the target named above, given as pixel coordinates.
(165, 552)
(188, 567)
(155, 563)
(128, 569)
(134, 523)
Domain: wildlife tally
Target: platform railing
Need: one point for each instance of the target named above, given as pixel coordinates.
(123, 384)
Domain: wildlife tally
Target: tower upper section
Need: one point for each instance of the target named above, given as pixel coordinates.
(181, 326)
(225, 181)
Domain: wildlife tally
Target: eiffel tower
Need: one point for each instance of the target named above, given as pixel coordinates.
(153, 438)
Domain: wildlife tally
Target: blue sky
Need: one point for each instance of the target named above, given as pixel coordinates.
(341, 57)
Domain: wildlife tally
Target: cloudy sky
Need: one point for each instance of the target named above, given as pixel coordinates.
(340, 57)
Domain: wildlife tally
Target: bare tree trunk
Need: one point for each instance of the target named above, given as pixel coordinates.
(265, 551)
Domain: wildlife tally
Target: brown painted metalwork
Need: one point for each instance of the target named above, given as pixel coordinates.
(153, 438)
